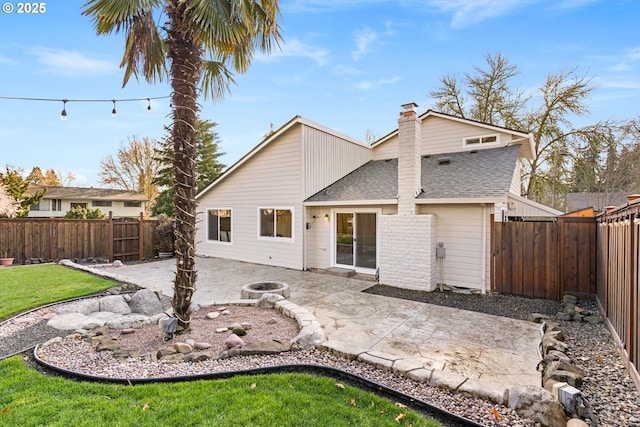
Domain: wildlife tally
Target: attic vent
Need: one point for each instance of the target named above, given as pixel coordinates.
(444, 160)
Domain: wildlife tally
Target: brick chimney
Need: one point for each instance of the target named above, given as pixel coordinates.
(409, 170)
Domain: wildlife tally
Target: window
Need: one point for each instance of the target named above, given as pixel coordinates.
(132, 204)
(42, 206)
(219, 225)
(78, 205)
(56, 204)
(276, 222)
(479, 140)
(101, 203)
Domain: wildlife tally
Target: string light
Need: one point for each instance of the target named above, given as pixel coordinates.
(63, 113)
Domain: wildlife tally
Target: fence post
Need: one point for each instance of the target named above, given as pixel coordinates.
(110, 236)
(140, 238)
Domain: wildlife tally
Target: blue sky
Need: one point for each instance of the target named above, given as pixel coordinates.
(346, 64)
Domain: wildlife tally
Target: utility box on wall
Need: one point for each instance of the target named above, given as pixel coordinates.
(441, 252)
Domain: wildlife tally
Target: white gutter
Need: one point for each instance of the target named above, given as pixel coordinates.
(353, 202)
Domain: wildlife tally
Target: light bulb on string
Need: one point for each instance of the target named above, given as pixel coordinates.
(149, 106)
(63, 114)
(114, 113)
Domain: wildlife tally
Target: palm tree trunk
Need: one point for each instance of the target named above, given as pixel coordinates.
(186, 63)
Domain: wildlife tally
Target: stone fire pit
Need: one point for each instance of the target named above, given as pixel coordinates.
(255, 290)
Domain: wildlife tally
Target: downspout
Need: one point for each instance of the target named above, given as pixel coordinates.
(484, 249)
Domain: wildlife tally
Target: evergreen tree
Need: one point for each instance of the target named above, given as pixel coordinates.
(207, 167)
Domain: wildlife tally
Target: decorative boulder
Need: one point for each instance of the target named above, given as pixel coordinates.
(146, 302)
(114, 304)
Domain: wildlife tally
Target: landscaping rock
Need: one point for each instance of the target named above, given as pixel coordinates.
(550, 343)
(593, 319)
(233, 341)
(221, 330)
(146, 302)
(128, 321)
(114, 304)
(73, 321)
(269, 300)
(213, 315)
(537, 317)
(202, 345)
(564, 372)
(183, 348)
(537, 404)
(84, 306)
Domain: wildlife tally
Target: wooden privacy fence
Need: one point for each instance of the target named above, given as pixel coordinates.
(129, 239)
(545, 259)
(619, 279)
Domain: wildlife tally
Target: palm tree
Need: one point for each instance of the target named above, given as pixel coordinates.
(201, 41)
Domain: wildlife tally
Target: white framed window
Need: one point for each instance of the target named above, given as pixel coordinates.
(101, 203)
(482, 140)
(219, 225)
(275, 223)
(42, 206)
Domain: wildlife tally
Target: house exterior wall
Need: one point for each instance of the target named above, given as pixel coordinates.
(327, 158)
(117, 208)
(271, 178)
(318, 238)
(465, 231)
(519, 206)
(407, 251)
(442, 136)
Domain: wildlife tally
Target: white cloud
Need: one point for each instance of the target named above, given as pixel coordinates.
(368, 85)
(345, 70)
(363, 40)
(295, 48)
(469, 12)
(66, 62)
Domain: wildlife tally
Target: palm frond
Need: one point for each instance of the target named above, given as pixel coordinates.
(145, 50)
(117, 15)
(215, 80)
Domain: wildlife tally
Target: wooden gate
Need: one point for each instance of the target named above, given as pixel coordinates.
(545, 259)
(126, 237)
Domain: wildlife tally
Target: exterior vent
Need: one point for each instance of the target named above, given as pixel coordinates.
(444, 160)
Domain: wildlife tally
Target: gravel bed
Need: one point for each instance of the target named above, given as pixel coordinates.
(607, 387)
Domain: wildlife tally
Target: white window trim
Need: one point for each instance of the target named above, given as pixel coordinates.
(219, 242)
(480, 137)
(282, 239)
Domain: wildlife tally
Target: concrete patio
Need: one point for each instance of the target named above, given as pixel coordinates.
(468, 351)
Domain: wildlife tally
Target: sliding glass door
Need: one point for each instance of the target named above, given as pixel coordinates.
(356, 239)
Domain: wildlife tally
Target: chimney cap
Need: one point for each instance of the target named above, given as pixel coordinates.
(411, 106)
(409, 110)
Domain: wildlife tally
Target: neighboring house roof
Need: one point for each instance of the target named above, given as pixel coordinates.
(477, 174)
(269, 138)
(529, 150)
(598, 201)
(82, 193)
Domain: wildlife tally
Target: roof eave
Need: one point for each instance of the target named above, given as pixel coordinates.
(461, 200)
(352, 202)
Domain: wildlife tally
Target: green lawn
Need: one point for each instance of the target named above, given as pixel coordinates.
(28, 398)
(25, 287)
